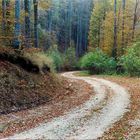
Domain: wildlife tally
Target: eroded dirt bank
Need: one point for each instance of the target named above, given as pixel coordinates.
(62, 95)
(20, 89)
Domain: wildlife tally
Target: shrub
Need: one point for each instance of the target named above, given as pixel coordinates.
(39, 59)
(97, 62)
(56, 56)
(69, 59)
(131, 60)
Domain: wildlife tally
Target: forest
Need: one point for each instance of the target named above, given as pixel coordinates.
(70, 69)
(67, 30)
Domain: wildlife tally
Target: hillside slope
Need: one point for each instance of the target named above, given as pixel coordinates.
(20, 89)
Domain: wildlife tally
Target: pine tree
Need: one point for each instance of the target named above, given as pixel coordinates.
(135, 18)
(7, 17)
(36, 42)
(3, 16)
(114, 49)
(17, 24)
(27, 8)
(123, 23)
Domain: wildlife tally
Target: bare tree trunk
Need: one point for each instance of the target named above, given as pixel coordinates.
(7, 16)
(123, 20)
(135, 19)
(99, 33)
(16, 43)
(103, 34)
(3, 16)
(114, 50)
(36, 42)
(27, 22)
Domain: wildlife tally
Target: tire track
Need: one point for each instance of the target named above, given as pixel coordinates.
(89, 120)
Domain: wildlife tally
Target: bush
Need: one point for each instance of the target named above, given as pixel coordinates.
(97, 62)
(56, 56)
(66, 61)
(39, 59)
(69, 59)
(131, 60)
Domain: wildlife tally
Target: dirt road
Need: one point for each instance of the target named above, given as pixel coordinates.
(89, 120)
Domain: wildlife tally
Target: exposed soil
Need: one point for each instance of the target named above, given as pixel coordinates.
(23, 91)
(89, 120)
(76, 93)
(26, 59)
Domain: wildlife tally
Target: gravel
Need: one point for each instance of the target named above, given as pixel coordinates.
(89, 120)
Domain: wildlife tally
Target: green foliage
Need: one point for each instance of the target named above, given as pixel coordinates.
(69, 59)
(56, 56)
(97, 62)
(131, 60)
(66, 61)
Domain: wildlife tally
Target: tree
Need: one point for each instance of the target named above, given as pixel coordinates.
(36, 23)
(123, 20)
(27, 8)
(17, 24)
(95, 26)
(68, 22)
(135, 18)
(114, 50)
(111, 26)
(6, 21)
(98, 16)
(3, 15)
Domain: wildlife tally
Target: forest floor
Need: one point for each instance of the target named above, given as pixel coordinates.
(20, 89)
(104, 111)
(129, 126)
(34, 98)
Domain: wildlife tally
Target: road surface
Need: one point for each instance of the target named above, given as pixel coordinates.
(89, 120)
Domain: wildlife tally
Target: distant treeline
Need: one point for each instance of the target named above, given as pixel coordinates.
(66, 24)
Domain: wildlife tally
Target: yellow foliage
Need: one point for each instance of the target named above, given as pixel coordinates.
(39, 59)
(108, 33)
(107, 27)
(44, 4)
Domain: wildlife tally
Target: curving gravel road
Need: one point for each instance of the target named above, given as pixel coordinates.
(89, 120)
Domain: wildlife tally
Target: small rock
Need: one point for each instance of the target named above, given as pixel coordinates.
(70, 85)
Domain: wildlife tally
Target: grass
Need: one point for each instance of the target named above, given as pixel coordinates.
(87, 73)
(83, 73)
(39, 59)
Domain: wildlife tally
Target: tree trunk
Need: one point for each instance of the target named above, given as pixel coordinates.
(99, 33)
(3, 16)
(36, 42)
(123, 20)
(135, 19)
(114, 50)
(103, 34)
(27, 9)
(17, 24)
(7, 20)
